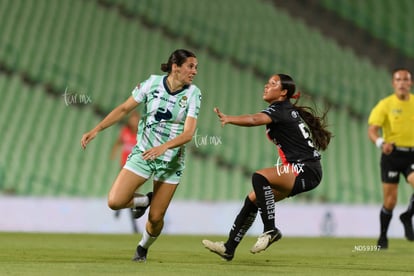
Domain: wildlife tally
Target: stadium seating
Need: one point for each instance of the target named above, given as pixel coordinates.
(387, 20)
(255, 43)
(101, 49)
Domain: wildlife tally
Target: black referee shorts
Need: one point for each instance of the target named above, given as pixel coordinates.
(399, 161)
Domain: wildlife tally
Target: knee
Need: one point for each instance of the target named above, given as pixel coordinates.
(252, 196)
(258, 180)
(390, 201)
(114, 204)
(257, 177)
(155, 218)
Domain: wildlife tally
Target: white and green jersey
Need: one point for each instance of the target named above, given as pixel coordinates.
(164, 113)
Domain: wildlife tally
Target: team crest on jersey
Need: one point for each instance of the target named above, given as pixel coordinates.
(294, 114)
(183, 102)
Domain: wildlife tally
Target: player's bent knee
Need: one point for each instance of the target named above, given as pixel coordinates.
(114, 204)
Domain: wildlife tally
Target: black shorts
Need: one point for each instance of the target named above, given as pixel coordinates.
(308, 178)
(397, 162)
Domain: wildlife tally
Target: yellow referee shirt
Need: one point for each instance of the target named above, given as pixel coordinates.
(396, 118)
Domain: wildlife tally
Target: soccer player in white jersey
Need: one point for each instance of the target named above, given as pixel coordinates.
(169, 117)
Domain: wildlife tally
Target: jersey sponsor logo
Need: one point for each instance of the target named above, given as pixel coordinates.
(155, 130)
(269, 202)
(156, 93)
(167, 100)
(163, 114)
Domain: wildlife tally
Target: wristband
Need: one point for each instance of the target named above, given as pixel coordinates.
(379, 142)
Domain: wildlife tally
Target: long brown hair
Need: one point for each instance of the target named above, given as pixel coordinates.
(317, 124)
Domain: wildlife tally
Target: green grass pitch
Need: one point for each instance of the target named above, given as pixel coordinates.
(102, 254)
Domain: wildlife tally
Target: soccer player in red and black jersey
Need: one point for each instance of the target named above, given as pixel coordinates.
(299, 135)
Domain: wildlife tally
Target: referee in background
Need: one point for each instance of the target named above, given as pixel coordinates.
(393, 117)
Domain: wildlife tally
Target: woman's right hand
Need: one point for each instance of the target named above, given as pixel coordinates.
(222, 117)
(87, 137)
(387, 148)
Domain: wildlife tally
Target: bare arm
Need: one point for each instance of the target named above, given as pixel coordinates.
(113, 117)
(374, 136)
(185, 137)
(373, 132)
(247, 120)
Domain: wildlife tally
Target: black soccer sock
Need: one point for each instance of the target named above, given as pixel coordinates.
(242, 223)
(385, 218)
(265, 201)
(410, 209)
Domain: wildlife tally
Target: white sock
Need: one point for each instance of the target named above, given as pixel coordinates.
(141, 201)
(147, 240)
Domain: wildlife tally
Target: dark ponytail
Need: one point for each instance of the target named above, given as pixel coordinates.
(317, 124)
(177, 57)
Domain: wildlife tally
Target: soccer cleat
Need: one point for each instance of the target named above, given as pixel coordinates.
(140, 255)
(265, 240)
(219, 248)
(382, 243)
(408, 226)
(138, 212)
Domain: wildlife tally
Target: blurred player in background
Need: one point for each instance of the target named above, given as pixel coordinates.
(127, 138)
(299, 134)
(168, 121)
(126, 141)
(394, 117)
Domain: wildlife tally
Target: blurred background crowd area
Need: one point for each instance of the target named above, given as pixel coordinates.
(65, 64)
